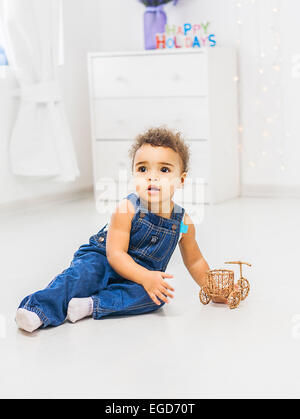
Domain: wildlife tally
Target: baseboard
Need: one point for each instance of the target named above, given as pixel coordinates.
(270, 191)
(46, 200)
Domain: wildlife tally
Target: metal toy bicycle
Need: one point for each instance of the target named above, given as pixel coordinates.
(221, 284)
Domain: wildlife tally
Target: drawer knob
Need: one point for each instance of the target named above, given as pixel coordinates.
(176, 77)
(120, 79)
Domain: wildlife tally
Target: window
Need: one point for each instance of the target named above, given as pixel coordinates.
(3, 58)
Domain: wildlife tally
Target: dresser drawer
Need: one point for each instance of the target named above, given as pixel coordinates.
(155, 75)
(125, 119)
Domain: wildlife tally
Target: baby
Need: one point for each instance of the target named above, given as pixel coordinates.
(122, 270)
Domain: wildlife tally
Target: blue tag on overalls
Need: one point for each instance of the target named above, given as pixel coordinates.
(183, 227)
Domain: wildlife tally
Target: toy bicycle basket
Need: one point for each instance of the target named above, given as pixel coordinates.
(220, 282)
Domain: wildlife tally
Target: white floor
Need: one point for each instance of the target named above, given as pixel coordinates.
(182, 350)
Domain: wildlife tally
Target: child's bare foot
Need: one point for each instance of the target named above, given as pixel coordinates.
(79, 308)
(27, 320)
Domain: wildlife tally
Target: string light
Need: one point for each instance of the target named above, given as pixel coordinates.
(275, 79)
(237, 79)
(277, 68)
(273, 126)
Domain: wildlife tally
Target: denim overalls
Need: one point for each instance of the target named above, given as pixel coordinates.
(153, 240)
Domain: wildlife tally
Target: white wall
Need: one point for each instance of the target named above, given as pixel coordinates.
(121, 22)
(263, 158)
(81, 35)
(271, 153)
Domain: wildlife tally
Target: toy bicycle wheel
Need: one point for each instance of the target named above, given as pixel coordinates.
(244, 288)
(234, 299)
(204, 296)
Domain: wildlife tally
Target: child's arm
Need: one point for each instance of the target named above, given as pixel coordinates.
(191, 254)
(117, 242)
(193, 258)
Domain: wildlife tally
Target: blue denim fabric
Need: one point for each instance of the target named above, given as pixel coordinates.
(153, 240)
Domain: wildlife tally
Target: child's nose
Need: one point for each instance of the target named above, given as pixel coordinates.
(153, 176)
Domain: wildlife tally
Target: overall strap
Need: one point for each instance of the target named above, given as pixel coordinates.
(178, 212)
(134, 199)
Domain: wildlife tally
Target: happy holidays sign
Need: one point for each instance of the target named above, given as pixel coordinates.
(186, 36)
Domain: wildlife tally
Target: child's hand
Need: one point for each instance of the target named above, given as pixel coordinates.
(155, 286)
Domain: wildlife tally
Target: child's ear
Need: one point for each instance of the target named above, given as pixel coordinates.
(182, 179)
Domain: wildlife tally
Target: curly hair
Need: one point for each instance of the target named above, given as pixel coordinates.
(162, 137)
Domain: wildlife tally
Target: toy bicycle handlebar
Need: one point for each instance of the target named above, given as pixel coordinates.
(239, 263)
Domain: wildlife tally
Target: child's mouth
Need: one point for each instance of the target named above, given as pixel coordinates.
(153, 190)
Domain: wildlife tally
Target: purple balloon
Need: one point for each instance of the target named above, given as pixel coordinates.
(155, 20)
(155, 3)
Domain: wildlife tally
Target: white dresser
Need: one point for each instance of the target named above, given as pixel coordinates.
(191, 91)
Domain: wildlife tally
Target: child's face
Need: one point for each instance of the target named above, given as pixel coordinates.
(159, 167)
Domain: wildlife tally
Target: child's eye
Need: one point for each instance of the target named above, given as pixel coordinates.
(143, 169)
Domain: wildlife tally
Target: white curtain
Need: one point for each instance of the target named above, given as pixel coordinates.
(41, 143)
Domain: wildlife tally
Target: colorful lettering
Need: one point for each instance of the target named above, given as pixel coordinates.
(180, 31)
(212, 41)
(196, 28)
(177, 45)
(170, 43)
(171, 30)
(186, 36)
(205, 26)
(196, 42)
(160, 40)
(187, 28)
(188, 42)
(203, 41)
